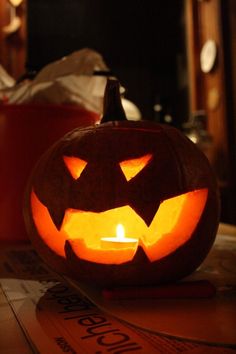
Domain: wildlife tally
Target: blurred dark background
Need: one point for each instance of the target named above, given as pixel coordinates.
(143, 44)
(154, 49)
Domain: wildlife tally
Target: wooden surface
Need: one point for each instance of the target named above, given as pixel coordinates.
(227, 229)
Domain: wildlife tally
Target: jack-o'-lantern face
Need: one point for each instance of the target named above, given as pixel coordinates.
(123, 202)
(112, 199)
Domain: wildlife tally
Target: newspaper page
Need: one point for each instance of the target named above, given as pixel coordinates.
(57, 317)
(210, 319)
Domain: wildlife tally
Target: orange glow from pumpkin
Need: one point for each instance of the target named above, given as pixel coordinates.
(120, 239)
(171, 227)
(120, 232)
(75, 165)
(46, 228)
(132, 167)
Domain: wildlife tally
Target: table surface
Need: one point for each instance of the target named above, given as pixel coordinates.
(14, 340)
(227, 229)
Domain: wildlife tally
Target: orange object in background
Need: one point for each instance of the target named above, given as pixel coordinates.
(26, 131)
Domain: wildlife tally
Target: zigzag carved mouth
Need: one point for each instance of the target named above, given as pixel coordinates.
(171, 227)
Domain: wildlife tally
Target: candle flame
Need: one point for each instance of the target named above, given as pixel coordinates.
(120, 232)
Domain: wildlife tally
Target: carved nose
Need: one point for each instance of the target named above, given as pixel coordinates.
(99, 188)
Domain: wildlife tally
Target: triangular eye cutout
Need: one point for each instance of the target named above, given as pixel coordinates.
(132, 167)
(75, 165)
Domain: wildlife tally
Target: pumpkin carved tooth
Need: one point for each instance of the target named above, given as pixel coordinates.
(57, 215)
(168, 205)
(147, 211)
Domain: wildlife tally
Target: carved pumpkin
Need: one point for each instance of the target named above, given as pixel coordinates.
(123, 203)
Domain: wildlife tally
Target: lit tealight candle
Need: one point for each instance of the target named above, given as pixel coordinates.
(120, 239)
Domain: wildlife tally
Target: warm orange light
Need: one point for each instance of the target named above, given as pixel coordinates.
(47, 230)
(132, 167)
(120, 232)
(120, 236)
(75, 165)
(171, 227)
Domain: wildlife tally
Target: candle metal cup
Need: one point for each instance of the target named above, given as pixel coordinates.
(118, 243)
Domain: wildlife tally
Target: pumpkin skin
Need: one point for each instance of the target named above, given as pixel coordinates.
(99, 188)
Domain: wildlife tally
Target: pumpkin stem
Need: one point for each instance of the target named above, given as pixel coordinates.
(112, 106)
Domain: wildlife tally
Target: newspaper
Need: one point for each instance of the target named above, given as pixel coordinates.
(207, 320)
(57, 317)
